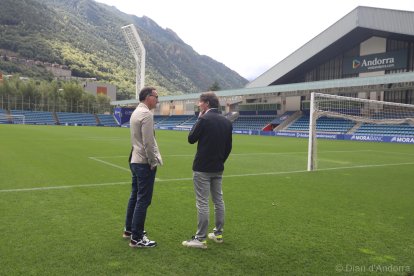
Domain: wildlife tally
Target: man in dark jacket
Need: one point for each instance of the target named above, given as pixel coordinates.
(213, 132)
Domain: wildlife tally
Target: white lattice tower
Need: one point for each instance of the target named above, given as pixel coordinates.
(137, 48)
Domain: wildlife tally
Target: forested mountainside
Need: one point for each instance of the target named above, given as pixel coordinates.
(86, 37)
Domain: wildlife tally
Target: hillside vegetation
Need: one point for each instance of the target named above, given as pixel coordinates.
(86, 36)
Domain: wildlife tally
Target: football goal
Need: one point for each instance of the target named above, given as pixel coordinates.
(354, 109)
(12, 119)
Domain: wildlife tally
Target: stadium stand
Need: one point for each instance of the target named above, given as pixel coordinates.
(378, 129)
(36, 117)
(3, 117)
(189, 123)
(173, 121)
(323, 124)
(253, 122)
(84, 119)
(282, 118)
(343, 126)
(159, 118)
(107, 120)
(243, 122)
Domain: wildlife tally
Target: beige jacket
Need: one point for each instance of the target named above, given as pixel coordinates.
(145, 148)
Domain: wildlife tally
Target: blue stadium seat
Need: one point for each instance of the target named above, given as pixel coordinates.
(323, 124)
(172, 121)
(382, 129)
(252, 122)
(107, 120)
(85, 119)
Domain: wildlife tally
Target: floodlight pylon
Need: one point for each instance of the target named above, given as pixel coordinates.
(137, 48)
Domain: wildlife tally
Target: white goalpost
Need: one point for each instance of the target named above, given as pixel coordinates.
(355, 109)
(12, 119)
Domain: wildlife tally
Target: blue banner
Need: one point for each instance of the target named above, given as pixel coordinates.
(123, 114)
(379, 138)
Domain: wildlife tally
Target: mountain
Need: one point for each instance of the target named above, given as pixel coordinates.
(86, 37)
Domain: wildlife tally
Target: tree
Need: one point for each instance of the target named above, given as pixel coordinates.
(29, 93)
(88, 103)
(54, 96)
(103, 102)
(72, 93)
(214, 87)
(43, 89)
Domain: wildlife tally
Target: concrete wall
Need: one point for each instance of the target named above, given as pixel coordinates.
(95, 88)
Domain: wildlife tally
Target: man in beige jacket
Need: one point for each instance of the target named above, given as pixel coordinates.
(143, 162)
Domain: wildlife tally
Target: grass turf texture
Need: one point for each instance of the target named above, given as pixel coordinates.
(354, 214)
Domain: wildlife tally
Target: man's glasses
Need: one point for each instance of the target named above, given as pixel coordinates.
(154, 96)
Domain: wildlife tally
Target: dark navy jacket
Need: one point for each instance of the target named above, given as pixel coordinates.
(213, 132)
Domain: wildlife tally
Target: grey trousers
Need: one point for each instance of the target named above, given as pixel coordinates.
(204, 184)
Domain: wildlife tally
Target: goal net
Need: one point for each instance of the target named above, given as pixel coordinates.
(355, 109)
(12, 119)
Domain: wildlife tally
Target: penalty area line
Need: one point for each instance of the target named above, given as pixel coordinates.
(63, 187)
(318, 170)
(190, 178)
(109, 164)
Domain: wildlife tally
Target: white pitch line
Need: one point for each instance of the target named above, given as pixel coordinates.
(98, 159)
(116, 166)
(333, 161)
(367, 166)
(295, 152)
(109, 164)
(190, 178)
(62, 187)
(115, 156)
(242, 154)
(396, 153)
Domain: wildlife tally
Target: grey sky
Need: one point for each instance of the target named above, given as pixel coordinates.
(248, 36)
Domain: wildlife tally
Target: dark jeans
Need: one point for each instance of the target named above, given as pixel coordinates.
(141, 195)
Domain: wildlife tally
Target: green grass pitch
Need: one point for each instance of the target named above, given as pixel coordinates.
(64, 190)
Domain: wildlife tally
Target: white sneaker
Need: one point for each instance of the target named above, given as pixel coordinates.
(196, 243)
(216, 238)
(142, 243)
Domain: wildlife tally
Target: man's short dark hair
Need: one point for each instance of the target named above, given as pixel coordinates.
(210, 98)
(143, 94)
